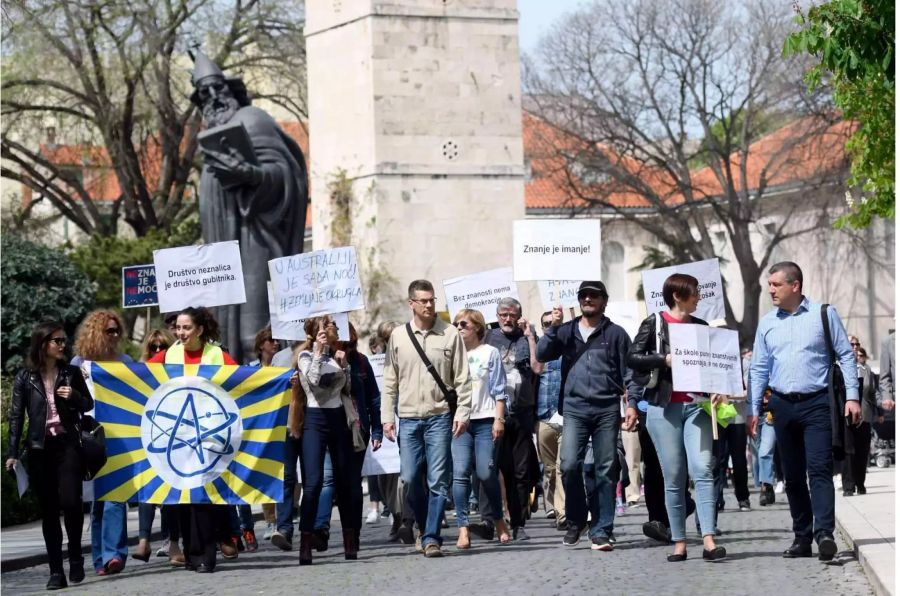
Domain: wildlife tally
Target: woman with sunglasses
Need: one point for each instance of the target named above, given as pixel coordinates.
(54, 395)
(202, 526)
(325, 380)
(158, 341)
(478, 447)
(98, 340)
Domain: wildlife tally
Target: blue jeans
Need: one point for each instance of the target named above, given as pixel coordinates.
(326, 428)
(804, 441)
(476, 444)
(241, 517)
(326, 498)
(765, 452)
(284, 510)
(109, 532)
(602, 429)
(682, 436)
(425, 449)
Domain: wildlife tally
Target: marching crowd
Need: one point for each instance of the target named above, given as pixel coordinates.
(486, 419)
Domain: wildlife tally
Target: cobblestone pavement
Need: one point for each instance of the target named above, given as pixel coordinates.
(542, 565)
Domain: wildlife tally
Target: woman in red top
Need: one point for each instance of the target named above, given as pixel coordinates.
(681, 430)
(202, 526)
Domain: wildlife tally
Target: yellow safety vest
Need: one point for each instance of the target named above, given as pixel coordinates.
(211, 354)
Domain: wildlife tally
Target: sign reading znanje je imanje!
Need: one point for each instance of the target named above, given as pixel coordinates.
(563, 249)
(316, 283)
(191, 433)
(139, 286)
(201, 275)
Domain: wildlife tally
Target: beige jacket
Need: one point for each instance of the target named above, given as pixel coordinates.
(410, 387)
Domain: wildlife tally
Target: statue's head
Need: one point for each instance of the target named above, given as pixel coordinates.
(218, 97)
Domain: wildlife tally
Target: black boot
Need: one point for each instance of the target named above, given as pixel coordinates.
(306, 542)
(76, 570)
(351, 544)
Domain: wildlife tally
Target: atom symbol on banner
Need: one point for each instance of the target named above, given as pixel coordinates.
(208, 434)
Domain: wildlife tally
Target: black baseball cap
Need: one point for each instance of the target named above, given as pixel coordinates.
(596, 286)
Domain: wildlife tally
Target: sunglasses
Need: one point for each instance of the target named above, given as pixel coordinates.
(590, 294)
(545, 324)
(854, 345)
(461, 324)
(59, 341)
(159, 347)
(113, 331)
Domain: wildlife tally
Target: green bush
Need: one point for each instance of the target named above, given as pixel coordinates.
(14, 510)
(37, 283)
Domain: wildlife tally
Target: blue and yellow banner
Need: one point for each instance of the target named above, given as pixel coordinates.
(179, 434)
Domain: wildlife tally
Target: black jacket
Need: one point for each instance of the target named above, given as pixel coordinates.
(645, 356)
(29, 397)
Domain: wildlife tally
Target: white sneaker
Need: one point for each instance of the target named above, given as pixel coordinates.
(779, 488)
(270, 529)
(373, 516)
(163, 551)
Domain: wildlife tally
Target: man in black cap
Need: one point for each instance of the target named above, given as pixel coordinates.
(256, 195)
(594, 379)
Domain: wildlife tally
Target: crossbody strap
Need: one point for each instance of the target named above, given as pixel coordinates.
(584, 348)
(832, 357)
(426, 361)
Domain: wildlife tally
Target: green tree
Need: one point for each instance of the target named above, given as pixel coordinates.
(854, 43)
(37, 283)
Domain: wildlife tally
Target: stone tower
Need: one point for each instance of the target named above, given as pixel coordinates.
(419, 103)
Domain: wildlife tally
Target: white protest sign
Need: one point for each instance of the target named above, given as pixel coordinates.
(712, 294)
(556, 248)
(377, 362)
(705, 359)
(316, 283)
(567, 293)
(294, 331)
(480, 291)
(204, 275)
(625, 314)
(384, 461)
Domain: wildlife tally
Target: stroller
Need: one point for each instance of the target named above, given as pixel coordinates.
(881, 453)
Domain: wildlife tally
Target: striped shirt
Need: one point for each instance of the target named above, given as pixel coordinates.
(790, 354)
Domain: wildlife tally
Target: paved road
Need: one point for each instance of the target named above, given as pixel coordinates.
(540, 566)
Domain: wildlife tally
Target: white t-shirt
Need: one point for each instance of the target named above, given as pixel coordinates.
(585, 331)
(488, 381)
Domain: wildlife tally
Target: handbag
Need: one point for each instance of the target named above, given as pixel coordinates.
(92, 438)
(449, 394)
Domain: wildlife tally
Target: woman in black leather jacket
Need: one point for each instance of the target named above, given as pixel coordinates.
(681, 430)
(54, 395)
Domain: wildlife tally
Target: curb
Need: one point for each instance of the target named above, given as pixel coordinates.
(874, 578)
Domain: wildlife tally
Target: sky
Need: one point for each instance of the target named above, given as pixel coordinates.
(536, 17)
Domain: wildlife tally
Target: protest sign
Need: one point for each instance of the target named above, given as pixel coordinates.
(204, 275)
(705, 359)
(558, 292)
(626, 314)
(384, 461)
(712, 293)
(566, 249)
(138, 286)
(293, 330)
(480, 291)
(316, 283)
(377, 362)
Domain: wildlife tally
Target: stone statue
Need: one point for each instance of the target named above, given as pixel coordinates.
(261, 205)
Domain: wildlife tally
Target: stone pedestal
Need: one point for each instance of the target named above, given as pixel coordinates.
(418, 104)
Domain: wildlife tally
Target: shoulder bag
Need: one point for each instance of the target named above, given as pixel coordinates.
(449, 394)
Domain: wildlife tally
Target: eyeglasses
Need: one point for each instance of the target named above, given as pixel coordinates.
(854, 344)
(461, 324)
(158, 347)
(423, 301)
(113, 331)
(546, 324)
(60, 341)
(508, 315)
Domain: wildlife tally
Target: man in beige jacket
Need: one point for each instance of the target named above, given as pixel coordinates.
(425, 426)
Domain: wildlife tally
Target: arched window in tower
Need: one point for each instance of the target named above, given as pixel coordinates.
(613, 269)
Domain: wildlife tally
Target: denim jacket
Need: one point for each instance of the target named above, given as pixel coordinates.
(548, 390)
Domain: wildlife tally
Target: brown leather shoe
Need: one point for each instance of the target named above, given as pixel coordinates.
(142, 553)
(229, 550)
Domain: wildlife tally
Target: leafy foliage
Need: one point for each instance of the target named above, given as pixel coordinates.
(854, 41)
(15, 510)
(38, 283)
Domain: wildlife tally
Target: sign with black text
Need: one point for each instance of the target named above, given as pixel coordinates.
(139, 286)
(564, 249)
(712, 293)
(316, 283)
(705, 359)
(480, 291)
(203, 275)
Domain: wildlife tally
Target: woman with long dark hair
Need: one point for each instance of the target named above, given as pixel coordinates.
(202, 526)
(53, 395)
(98, 340)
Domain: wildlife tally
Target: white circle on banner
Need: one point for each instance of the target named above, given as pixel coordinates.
(191, 430)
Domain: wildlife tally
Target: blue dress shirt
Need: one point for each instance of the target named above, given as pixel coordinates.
(790, 354)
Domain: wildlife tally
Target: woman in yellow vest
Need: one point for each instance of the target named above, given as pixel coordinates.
(202, 526)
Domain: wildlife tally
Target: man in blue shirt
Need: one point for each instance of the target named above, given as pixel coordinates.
(549, 435)
(790, 355)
